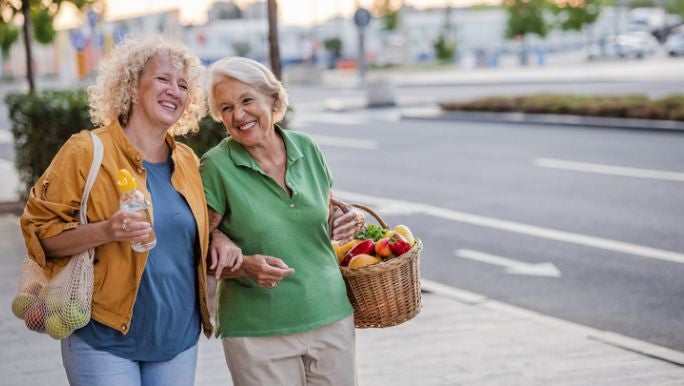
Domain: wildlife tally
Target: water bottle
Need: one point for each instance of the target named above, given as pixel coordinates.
(133, 201)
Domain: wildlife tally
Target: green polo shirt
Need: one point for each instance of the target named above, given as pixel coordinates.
(261, 218)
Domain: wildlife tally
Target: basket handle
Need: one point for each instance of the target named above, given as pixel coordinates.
(372, 213)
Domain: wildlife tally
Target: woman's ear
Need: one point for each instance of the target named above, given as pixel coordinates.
(275, 101)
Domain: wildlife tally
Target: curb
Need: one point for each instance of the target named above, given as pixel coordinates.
(435, 113)
(12, 207)
(607, 337)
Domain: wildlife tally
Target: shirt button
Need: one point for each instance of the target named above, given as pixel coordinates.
(140, 170)
(124, 327)
(291, 205)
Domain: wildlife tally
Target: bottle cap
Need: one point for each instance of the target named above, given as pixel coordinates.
(125, 181)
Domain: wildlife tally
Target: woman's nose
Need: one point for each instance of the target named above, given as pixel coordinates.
(238, 112)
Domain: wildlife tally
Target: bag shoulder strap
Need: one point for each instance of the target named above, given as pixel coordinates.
(98, 152)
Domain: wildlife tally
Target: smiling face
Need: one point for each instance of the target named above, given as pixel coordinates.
(246, 112)
(162, 94)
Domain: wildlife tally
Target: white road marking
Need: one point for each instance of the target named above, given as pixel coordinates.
(381, 203)
(345, 142)
(608, 169)
(346, 119)
(512, 266)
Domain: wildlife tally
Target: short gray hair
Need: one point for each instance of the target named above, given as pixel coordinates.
(252, 73)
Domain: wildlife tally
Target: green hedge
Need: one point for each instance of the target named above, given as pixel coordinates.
(630, 106)
(42, 122)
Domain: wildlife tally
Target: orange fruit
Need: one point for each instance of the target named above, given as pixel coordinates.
(341, 250)
(363, 260)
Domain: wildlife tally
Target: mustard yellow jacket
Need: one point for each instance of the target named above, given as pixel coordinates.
(53, 205)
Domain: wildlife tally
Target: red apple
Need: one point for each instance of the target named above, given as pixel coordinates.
(33, 288)
(35, 317)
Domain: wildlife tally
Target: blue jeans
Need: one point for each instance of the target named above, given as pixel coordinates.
(86, 366)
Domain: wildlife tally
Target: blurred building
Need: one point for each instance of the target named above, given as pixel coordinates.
(233, 30)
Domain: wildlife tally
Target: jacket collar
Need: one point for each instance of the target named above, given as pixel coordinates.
(125, 144)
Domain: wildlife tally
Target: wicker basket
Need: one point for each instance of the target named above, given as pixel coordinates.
(385, 294)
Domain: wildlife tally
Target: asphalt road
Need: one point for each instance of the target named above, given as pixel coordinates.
(474, 190)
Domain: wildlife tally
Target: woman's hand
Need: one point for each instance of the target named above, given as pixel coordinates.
(125, 226)
(224, 254)
(266, 271)
(122, 226)
(346, 222)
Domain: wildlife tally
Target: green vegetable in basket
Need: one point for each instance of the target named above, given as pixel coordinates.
(372, 232)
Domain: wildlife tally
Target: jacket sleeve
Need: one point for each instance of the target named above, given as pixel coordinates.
(54, 201)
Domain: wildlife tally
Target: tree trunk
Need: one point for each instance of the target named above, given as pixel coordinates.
(274, 49)
(27, 44)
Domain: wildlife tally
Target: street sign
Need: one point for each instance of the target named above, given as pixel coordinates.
(78, 39)
(362, 17)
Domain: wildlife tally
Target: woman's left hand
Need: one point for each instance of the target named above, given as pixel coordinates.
(346, 222)
(224, 253)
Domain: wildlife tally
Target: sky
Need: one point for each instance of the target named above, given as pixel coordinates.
(297, 12)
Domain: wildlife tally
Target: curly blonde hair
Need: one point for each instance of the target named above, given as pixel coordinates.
(115, 90)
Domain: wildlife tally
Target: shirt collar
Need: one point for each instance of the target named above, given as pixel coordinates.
(241, 156)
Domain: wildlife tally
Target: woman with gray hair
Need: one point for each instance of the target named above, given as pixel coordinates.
(284, 315)
(148, 308)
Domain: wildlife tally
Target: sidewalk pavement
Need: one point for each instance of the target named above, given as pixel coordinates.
(660, 69)
(459, 338)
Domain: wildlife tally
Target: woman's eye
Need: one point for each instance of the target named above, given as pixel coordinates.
(227, 108)
(183, 87)
(161, 78)
(247, 101)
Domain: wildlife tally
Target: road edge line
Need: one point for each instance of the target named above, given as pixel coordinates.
(607, 337)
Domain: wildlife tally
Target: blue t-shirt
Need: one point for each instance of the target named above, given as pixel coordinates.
(166, 318)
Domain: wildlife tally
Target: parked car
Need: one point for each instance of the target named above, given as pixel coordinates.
(621, 46)
(645, 40)
(675, 45)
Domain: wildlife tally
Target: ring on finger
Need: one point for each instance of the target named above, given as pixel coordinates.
(273, 284)
(123, 226)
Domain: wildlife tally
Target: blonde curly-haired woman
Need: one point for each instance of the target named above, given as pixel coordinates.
(148, 308)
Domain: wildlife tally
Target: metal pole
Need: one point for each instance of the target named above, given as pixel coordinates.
(362, 55)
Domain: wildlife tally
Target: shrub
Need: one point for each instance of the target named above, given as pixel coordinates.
(209, 134)
(41, 123)
(630, 106)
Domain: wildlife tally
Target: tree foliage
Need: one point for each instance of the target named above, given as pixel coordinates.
(574, 15)
(445, 49)
(389, 14)
(526, 17)
(41, 16)
(8, 35)
(334, 47)
(676, 7)
(541, 16)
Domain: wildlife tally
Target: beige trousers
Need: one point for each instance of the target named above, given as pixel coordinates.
(324, 356)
